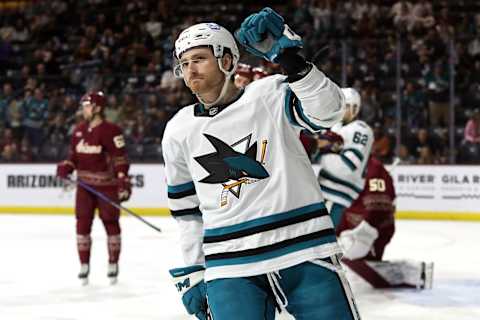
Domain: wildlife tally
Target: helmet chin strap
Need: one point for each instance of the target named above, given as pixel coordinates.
(224, 87)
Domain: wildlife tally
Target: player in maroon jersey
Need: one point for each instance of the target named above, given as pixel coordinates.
(97, 153)
(367, 226)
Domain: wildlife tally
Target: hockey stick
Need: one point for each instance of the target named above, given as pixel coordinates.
(113, 203)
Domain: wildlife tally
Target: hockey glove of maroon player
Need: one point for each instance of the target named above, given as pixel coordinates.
(329, 142)
(357, 242)
(190, 284)
(124, 187)
(64, 169)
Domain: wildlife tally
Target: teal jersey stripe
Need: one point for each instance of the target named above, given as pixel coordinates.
(272, 254)
(299, 109)
(181, 187)
(329, 176)
(337, 193)
(348, 162)
(264, 220)
(289, 109)
(357, 153)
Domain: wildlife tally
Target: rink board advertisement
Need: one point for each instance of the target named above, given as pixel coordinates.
(428, 192)
(34, 188)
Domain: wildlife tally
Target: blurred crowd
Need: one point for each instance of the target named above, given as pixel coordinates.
(51, 52)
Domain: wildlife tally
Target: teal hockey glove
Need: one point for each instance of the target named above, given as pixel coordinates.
(265, 35)
(190, 284)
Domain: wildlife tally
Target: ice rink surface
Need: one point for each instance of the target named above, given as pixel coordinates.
(38, 269)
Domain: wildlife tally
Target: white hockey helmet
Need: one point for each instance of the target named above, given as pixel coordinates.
(353, 101)
(207, 34)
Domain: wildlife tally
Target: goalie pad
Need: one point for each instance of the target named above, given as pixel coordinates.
(411, 273)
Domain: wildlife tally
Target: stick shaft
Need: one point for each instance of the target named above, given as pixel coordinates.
(114, 204)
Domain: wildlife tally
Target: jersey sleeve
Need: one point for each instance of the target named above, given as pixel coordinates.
(114, 144)
(314, 102)
(182, 200)
(357, 149)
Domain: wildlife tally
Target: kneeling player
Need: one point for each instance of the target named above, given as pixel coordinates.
(367, 226)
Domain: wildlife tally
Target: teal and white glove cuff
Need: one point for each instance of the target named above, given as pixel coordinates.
(186, 278)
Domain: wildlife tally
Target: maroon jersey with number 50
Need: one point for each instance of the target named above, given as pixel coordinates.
(375, 204)
(98, 154)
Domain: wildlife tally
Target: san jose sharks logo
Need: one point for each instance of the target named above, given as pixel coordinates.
(233, 168)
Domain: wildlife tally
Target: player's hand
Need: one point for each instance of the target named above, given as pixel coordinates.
(265, 35)
(124, 188)
(357, 242)
(190, 284)
(64, 169)
(329, 142)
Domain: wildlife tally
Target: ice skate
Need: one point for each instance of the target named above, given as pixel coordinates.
(83, 274)
(427, 275)
(112, 272)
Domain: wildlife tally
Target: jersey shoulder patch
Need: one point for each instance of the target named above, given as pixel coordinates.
(119, 141)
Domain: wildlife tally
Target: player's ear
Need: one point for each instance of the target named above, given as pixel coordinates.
(227, 61)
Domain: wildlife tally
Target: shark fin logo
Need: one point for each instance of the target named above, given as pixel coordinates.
(233, 168)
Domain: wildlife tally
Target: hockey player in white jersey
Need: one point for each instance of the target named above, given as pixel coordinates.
(342, 173)
(255, 233)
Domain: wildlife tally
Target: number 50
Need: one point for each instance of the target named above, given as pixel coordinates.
(376, 185)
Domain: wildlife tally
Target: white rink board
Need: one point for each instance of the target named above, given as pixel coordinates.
(438, 188)
(446, 189)
(31, 185)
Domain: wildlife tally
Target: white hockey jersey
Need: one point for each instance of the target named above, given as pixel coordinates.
(341, 176)
(240, 183)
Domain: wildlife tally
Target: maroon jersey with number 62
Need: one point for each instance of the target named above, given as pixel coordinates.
(98, 154)
(375, 204)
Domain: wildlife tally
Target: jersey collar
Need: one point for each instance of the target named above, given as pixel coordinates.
(199, 109)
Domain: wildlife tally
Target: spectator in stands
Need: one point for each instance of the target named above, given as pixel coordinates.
(20, 32)
(438, 96)
(112, 110)
(36, 115)
(8, 146)
(321, 12)
(12, 111)
(151, 78)
(414, 105)
(472, 128)
(404, 155)
(5, 99)
(6, 50)
(8, 153)
(25, 151)
(422, 15)
(152, 105)
(401, 14)
(370, 104)
(425, 155)
(422, 141)
(470, 148)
